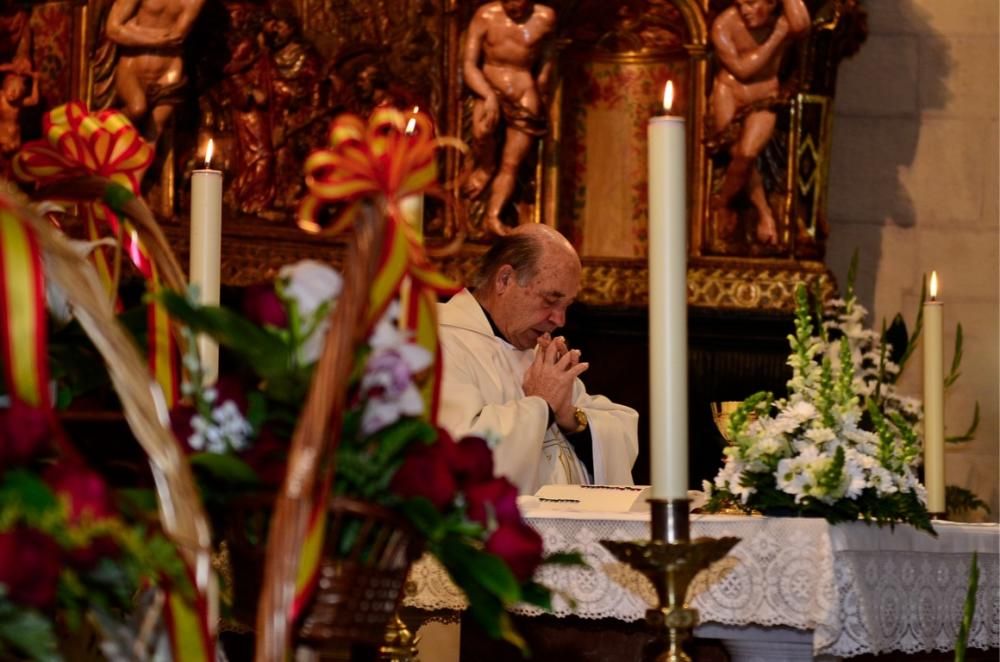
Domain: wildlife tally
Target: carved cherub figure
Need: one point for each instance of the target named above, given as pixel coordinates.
(18, 90)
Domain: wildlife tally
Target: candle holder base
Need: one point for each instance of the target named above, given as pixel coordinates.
(938, 516)
(670, 560)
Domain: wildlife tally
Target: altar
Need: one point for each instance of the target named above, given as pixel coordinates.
(795, 588)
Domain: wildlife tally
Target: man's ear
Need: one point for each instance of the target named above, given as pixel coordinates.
(504, 279)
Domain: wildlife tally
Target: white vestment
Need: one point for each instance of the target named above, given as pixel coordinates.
(481, 394)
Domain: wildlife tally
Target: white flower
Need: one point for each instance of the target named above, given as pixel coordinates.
(387, 385)
(820, 435)
(227, 430)
(310, 284)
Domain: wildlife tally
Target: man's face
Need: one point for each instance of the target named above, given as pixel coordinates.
(517, 10)
(756, 13)
(525, 312)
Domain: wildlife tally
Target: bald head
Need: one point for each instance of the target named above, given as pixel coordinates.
(523, 249)
(527, 280)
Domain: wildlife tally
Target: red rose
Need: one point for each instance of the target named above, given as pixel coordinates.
(498, 496)
(24, 432)
(180, 424)
(262, 306)
(29, 566)
(84, 491)
(268, 457)
(519, 546)
(229, 388)
(426, 473)
(472, 461)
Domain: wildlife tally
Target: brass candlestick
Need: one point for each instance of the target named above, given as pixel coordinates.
(670, 559)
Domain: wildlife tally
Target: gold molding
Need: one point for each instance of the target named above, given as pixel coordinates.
(753, 285)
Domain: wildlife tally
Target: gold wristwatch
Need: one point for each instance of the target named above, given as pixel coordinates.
(581, 420)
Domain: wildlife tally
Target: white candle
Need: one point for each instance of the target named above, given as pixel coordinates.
(412, 206)
(933, 399)
(668, 400)
(412, 209)
(206, 244)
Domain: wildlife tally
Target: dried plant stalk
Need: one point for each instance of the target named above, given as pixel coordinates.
(316, 437)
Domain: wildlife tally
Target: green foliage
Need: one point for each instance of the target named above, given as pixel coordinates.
(959, 501)
(264, 352)
(968, 610)
(969, 433)
(25, 632)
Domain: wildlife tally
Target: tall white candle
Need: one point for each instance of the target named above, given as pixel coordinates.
(412, 209)
(412, 206)
(668, 400)
(934, 399)
(206, 246)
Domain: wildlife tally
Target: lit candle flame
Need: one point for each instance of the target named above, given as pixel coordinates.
(932, 286)
(208, 153)
(668, 96)
(411, 124)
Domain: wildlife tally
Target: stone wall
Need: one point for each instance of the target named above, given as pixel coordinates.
(914, 187)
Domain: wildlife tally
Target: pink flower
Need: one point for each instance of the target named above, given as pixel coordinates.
(262, 306)
(519, 546)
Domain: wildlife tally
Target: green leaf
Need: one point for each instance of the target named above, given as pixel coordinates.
(26, 491)
(225, 467)
(968, 611)
(423, 516)
(397, 438)
(27, 631)
(264, 351)
(960, 500)
(565, 558)
(256, 409)
(479, 567)
(537, 594)
(971, 432)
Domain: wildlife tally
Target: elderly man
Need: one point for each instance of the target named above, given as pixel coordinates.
(507, 378)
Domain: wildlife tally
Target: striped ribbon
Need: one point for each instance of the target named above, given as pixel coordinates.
(79, 143)
(22, 313)
(390, 157)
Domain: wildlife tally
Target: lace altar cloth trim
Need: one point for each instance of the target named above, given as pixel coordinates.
(859, 588)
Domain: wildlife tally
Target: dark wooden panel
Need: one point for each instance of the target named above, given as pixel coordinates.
(732, 354)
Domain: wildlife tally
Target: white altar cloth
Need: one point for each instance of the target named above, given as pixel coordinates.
(857, 588)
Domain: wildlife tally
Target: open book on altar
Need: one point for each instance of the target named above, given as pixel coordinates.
(599, 498)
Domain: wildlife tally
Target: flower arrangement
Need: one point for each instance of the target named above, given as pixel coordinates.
(844, 444)
(76, 553)
(389, 453)
(65, 548)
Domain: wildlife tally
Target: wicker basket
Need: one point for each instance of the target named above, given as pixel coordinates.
(359, 587)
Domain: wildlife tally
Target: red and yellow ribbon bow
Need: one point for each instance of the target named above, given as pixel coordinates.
(391, 157)
(79, 143)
